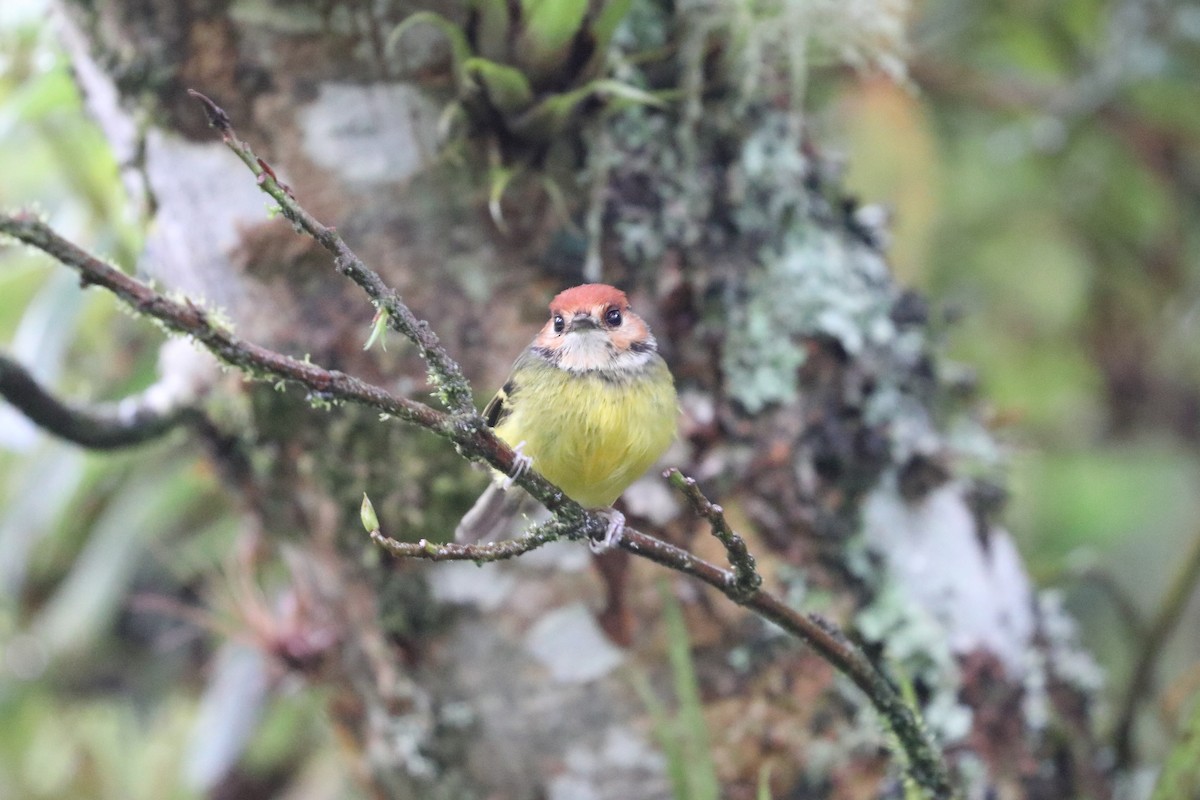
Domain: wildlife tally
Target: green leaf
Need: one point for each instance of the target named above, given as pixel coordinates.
(229, 714)
(48, 325)
(379, 327)
(460, 48)
(683, 735)
(606, 22)
(620, 95)
(87, 600)
(667, 734)
(505, 88)
(764, 782)
(492, 23)
(366, 513)
(499, 179)
(1180, 774)
(38, 495)
(550, 116)
(701, 773)
(603, 27)
(549, 27)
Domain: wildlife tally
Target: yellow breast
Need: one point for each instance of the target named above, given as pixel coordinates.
(589, 434)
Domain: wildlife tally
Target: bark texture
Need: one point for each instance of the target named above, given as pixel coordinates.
(816, 411)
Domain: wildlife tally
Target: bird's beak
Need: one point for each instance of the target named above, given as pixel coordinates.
(582, 322)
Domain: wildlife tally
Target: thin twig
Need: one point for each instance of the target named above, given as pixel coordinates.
(107, 427)
(535, 537)
(471, 436)
(475, 441)
(187, 318)
(444, 372)
(746, 580)
(823, 636)
(1141, 680)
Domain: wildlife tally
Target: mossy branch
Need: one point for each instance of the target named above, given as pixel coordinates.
(477, 442)
(185, 317)
(746, 580)
(110, 427)
(545, 533)
(444, 373)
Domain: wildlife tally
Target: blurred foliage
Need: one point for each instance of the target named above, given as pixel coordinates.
(1181, 770)
(99, 699)
(681, 732)
(1044, 171)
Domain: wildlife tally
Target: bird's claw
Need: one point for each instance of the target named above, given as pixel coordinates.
(612, 534)
(521, 465)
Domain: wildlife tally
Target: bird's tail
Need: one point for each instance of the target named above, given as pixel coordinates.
(492, 515)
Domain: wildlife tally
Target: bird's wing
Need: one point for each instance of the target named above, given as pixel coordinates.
(499, 406)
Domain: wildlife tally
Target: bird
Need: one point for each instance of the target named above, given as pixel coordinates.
(590, 404)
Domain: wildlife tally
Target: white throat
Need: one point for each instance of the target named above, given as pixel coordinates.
(587, 351)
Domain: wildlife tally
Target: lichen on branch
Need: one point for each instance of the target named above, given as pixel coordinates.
(475, 441)
(464, 428)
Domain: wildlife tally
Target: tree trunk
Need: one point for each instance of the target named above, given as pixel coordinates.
(815, 407)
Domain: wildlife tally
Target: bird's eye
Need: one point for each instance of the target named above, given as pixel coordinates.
(559, 323)
(613, 317)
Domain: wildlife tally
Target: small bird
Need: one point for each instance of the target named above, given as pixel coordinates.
(590, 404)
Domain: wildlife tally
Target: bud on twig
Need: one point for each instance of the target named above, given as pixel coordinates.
(367, 514)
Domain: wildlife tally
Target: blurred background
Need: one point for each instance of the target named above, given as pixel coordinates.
(1042, 168)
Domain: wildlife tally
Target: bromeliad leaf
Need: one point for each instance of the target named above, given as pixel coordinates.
(504, 88)
(553, 113)
(604, 25)
(549, 27)
(606, 22)
(460, 48)
(499, 179)
(489, 28)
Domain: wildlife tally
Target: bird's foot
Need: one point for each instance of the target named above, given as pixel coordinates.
(521, 465)
(612, 534)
